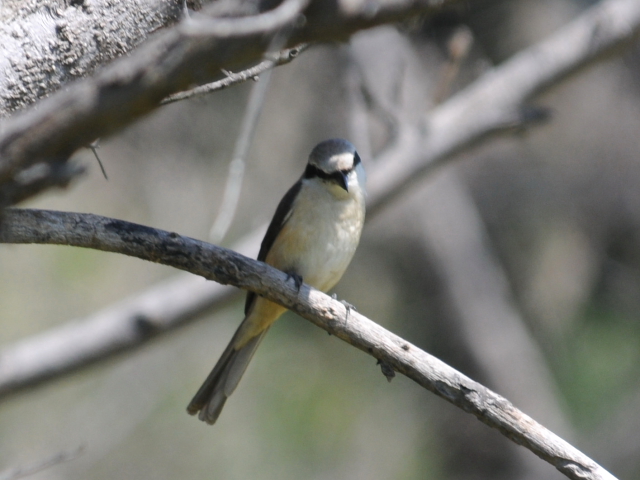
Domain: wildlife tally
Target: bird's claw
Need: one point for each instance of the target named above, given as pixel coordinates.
(387, 370)
(346, 304)
(297, 280)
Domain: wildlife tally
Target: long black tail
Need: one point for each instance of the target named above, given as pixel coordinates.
(223, 380)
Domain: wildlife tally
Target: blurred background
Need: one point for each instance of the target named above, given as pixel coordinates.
(518, 264)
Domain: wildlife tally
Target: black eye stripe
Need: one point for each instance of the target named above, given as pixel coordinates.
(313, 171)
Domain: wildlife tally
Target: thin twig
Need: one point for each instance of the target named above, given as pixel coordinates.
(273, 60)
(227, 267)
(358, 115)
(94, 146)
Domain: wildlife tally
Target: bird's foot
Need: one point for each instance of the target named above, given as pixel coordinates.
(346, 304)
(297, 280)
(387, 370)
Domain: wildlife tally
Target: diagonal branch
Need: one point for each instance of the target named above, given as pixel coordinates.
(227, 267)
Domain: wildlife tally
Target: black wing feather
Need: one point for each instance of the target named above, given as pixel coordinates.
(277, 222)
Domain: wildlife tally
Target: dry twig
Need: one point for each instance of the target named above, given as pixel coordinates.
(274, 60)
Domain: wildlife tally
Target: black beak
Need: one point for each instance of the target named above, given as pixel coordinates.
(343, 179)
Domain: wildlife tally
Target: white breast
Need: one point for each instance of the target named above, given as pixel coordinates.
(321, 236)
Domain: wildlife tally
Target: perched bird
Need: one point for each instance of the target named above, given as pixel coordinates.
(312, 237)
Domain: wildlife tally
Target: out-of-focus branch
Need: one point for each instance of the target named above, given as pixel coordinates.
(495, 103)
(227, 267)
(58, 458)
(191, 53)
(121, 327)
(358, 115)
(235, 176)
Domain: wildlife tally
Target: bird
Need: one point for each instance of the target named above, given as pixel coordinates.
(312, 237)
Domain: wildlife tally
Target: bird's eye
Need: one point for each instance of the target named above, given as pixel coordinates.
(356, 159)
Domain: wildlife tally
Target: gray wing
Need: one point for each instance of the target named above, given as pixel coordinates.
(283, 212)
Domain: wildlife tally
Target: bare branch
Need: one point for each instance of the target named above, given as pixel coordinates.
(227, 267)
(270, 21)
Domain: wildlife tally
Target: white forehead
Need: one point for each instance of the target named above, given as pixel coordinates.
(332, 155)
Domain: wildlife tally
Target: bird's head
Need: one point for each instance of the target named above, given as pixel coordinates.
(336, 161)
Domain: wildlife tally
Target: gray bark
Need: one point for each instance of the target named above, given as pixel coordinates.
(47, 44)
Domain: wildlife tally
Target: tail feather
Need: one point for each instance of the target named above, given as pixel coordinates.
(223, 380)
